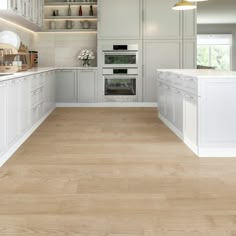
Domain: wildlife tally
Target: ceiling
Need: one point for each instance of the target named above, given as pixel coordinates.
(217, 12)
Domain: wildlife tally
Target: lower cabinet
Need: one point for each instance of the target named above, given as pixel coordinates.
(190, 119)
(180, 110)
(22, 104)
(66, 81)
(13, 110)
(3, 115)
(86, 86)
(76, 86)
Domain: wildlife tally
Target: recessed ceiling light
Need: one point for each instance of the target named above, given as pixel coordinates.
(184, 5)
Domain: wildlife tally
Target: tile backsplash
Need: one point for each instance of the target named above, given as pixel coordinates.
(55, 49)
(62, 49)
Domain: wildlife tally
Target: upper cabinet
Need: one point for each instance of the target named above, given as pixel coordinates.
(160, 21)
(189, 24)
(27, 13)
(120, 19)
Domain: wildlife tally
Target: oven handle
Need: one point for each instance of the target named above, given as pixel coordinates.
(123, 53)
(118, 76)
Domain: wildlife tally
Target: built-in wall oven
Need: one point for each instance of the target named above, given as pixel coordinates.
(118, 56)
(120, 73)
(120, 84)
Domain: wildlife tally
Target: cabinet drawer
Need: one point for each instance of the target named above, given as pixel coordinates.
(190, 85)
(178, 81)
(37, 96)
(37, 112)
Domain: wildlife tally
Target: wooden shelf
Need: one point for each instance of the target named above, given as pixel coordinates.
(51, 4)
(71, 18)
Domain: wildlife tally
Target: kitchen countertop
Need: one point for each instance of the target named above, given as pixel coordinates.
(202, 73)
(40, 70)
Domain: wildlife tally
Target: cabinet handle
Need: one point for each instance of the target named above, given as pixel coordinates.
(189, 97)
(189, 79)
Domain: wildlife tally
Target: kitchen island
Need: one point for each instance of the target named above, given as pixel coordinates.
(199, 107)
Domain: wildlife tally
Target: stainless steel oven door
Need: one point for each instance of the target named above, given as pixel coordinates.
(120, 59)
(120, 88)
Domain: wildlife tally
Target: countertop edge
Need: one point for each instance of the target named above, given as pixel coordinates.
(41, 70)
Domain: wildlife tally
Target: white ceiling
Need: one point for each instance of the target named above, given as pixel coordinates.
(217, 12)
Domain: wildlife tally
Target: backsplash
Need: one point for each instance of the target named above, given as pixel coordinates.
(62, 49)
(26, 36)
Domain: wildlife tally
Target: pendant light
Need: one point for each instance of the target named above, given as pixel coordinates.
(196, 0)
(184, 5)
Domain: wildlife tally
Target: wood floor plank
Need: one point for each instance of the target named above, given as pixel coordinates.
(114, 172)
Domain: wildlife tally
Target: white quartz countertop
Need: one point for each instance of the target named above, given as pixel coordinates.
(202, 73)
(40, 70)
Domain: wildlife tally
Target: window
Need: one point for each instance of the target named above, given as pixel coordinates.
(214, 51)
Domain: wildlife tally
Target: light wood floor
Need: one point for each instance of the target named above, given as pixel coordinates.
(114, 172)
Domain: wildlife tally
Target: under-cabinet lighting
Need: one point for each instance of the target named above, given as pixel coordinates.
(18, 26)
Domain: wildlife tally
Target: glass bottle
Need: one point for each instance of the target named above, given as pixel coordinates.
(80, 11)
(91, 11)
(69, 11)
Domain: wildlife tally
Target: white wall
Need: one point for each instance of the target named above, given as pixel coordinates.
(62, 49)
(221, 29)
(26, 36)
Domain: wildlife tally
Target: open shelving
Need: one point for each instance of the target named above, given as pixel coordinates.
(60, 20)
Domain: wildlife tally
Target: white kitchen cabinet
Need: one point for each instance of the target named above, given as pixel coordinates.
(169, 104)
(24, 107)
(160, 21)
(3, 115)
(87, 86)
(161, 93)
(190, 120)
(159, 54)
(189, 24)
(189, 54)
(66, 83)
(13, 111)
(178, 109)
(27, 13)
(120, 19)
(49, 90)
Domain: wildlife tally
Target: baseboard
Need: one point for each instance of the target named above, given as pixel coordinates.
(217, 152)
(109, 104)
(171, 127)
(6, 156)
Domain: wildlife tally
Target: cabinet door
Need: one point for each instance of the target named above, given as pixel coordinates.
(160, 21)
(24, 104)
(3, 115)
(86, 86)
(169, 104)
(120, 19)
(189, 56)
(162, 100)
(66, 86)
(189, 24)
(13, 111)
(158, 55)
(178, 109)
(190, 120)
